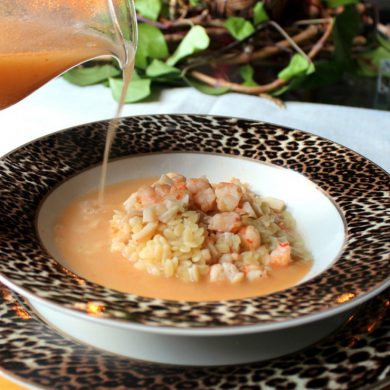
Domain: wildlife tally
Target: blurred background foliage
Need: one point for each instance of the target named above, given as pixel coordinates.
(329, 51)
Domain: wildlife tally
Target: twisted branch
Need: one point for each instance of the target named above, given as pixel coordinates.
(308, 36)
(270, 51)
(274, 85)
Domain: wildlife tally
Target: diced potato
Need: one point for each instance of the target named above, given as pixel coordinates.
(275, 204)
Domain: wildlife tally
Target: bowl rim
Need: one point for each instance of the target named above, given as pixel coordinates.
(218, 328)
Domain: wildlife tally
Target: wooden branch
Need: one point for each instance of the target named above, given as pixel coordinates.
(291, 41)
(174, 37)
(162, 26)
(198, 19)
(261, 89)
(256, 90)
(269, 51)
(201, 19)
(306, 22)
(320, 44)
(178, 36)
(216, 30)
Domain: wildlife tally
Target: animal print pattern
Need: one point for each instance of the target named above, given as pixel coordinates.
(354, 357)
(359, 188)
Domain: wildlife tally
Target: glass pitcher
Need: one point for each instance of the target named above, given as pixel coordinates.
(41, 39)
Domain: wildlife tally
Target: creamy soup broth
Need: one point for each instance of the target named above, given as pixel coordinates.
(82, 235)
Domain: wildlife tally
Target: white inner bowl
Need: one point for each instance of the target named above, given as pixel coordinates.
(318, 219)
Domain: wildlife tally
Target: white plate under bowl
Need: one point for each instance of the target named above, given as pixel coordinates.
(310, 173)
(355, 357)
(317, 217)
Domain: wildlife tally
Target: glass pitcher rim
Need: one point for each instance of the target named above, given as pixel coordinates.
(133, 40)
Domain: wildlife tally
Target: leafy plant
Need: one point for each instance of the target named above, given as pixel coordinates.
(249, 46)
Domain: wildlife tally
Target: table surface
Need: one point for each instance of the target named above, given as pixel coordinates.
(60, 105)
(5, 384)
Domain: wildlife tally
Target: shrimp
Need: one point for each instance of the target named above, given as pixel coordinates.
(246, 209)
(205, 200)
(176, 177)
(196, 185)
(162, 189)
(202, 194)
(232, 273)
(228, 196)
(253, 272)
(225, 222)
(179, 192)
(172, 189)
(250, 237)
(226, 258)
(147, 196)
(209, 243)
(220, 272)
(217, 273)
(281, 256)
(151, 195)
(164, 179)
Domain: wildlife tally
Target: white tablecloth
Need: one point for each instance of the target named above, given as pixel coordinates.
(59, 105)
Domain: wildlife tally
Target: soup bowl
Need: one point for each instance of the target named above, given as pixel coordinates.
(338, 198)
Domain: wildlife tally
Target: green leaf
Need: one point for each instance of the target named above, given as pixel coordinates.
(326, 73)
(170, 81)
(259, 14)
(158, 68)
(207, 89)
(195, 3)
(247, 73)
(239, 28)
(151, 44)
(83, 76)
(383, 41)
(195, 40)
(165, 10)
(298, 66)
(280, 91)
(135, 76)
(337, 3)
(149, 8)
(369, 62)
(346, 27)
(138, 89)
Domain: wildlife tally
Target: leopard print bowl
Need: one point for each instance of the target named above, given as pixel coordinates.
(358, 187)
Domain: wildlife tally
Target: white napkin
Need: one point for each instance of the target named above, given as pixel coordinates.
(60, 105)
